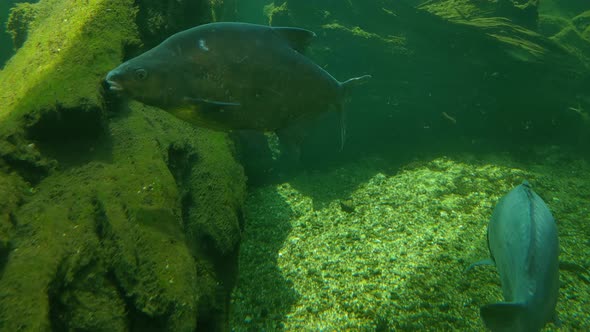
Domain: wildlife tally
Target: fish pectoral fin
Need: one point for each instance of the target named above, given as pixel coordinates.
(487, 261)
(299, 39)
(211, 104)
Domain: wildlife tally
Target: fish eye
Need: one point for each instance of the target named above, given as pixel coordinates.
(141, 74)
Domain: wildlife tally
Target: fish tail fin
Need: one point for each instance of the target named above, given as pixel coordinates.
(503, 316)
(346, 87)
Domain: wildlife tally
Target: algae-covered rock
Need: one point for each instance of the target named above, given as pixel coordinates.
(12, 189)
(522, 12)
(21, 16)
(112, 217)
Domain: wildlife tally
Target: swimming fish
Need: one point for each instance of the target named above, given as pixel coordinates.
(233, 76)
(523, 244)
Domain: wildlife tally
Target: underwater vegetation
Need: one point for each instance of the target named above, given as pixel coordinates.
(117, 216)
(113, 216)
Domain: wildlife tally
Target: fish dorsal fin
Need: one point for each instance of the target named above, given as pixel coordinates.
(297, 38)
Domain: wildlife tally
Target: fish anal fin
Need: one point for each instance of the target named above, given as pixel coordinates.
(299, 39)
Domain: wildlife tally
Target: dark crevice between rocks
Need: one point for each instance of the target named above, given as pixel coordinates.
(5, 247)
(214, 307)
(129, 307)
(101, 222)
(21, 157)
(180, 161)
(141, 322)
(57, 309)
(6, 244)
(72, 136)
(227, 263)
(186, 203)
(30, 171)
(241, 219)
(136, 320)
(213, 313)
(62, 294)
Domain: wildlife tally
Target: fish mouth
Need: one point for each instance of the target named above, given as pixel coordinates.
(114, 86)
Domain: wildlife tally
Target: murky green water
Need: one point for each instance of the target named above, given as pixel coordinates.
(120, 216)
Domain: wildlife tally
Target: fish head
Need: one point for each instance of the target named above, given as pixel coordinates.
(149, 82)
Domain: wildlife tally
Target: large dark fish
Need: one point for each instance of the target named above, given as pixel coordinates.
(233, 76)
(522, 238)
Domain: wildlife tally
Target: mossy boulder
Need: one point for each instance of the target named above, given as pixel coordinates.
(113, 217)
(21, 16)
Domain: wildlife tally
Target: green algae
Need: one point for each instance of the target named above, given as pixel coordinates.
(524, 14)
(551, 25)
(397, 262)
(571, 39)
(125, 222)
(66, 58)
(12, 190)
(582, 21)
(460, 9)
(19, 21)
(115, 235)
(357, 32)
